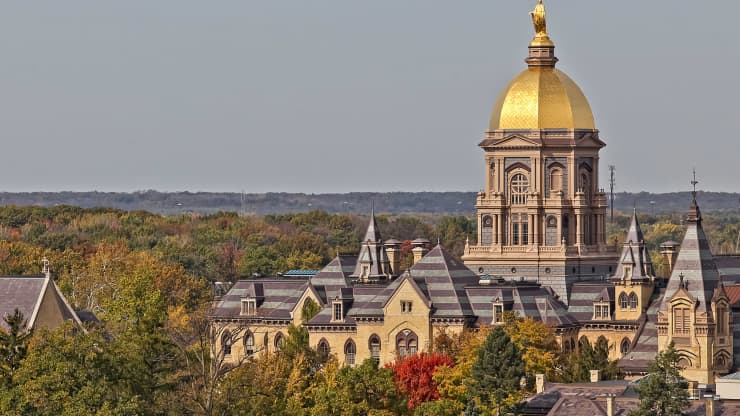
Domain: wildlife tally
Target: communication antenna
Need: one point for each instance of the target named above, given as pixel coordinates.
(611, 191)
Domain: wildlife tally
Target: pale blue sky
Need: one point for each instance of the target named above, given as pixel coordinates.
(342, 95)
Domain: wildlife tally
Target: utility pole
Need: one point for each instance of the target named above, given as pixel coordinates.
(611, 191)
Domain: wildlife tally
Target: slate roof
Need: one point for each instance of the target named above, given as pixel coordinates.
(372, 254)
(25, 293)
(584, 294)
(528, 300)
(443, 278)
(645, 346)
(694, 265)
(635, 253)
(276, 298)
(22, 293)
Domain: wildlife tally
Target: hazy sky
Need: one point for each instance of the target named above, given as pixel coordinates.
(343, 95)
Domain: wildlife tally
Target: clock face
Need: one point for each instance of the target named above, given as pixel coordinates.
(488, 221)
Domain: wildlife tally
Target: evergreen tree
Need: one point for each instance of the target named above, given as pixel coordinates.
(13, 346)
(663, 392)
(497, 372)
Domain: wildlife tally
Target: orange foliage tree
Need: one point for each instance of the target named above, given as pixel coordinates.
(413, 376)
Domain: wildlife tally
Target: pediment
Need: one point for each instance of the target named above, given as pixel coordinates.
(589, 140)
(518, 141)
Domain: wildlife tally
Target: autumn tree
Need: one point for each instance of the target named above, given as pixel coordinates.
(663, 391)
(414, 376)
(497, 373)
(537, 343)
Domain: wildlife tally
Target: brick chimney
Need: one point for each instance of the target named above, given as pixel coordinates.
(669, 252)
(393, 250)
(420, 248)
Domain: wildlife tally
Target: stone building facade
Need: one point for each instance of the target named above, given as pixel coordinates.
(541, 251)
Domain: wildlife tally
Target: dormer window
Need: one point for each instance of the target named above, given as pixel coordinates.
(249, 307)
(601, 311)
(406, 306)
(681, 321)
(627, 272)
(337, 311)
(498, 312)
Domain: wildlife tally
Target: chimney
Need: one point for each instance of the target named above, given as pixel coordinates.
(539, 384)
(393, 250)
(420, 248)
(710, 405)
(595, 376)
(669, 251)
(610, 401)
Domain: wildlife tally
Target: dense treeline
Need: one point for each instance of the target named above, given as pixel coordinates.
(346, 203)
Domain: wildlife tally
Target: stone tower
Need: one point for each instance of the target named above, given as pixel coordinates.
(542, 214)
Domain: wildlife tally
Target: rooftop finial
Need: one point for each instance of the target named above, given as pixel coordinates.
(45, 266)
(693, 183)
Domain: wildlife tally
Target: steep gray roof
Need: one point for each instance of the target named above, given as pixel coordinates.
(529, 300)
(443, 279)
(372, 255)
(635, 253)
(584, 294)
(645, 346)
(276, 298)
(26, 294)
(695, 265)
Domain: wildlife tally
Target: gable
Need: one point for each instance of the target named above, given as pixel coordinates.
(407, 290)
(589, 140)
(517, 141)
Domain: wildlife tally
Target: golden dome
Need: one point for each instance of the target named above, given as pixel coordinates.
(542, 97)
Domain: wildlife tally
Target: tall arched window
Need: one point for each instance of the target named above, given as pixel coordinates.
(249, 343)
(623, 300)
(324, 349)
(633, 300)
(279, 341)
(624, 347)
(349, 352)
(227, 342)
(406, 343)
(374, 344)
(519, 188)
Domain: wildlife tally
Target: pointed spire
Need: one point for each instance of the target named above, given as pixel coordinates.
(634, 233)
(373, 232)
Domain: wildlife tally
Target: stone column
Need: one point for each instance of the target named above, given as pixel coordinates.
(579, 229)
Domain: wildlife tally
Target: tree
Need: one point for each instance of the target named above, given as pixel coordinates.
(413, 376)
(309, 310)
(537, 343)
(663, 391)
(497, 373)
(13, 346)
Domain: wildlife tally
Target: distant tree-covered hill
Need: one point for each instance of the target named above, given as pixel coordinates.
(354, 202)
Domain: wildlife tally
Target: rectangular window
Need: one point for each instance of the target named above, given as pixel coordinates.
(605, 311)
(525, 233)
(337, 311)
(498, 313)
(681, 321)
(597, 311)
(721, 321)
(406, 306)
(249, 307)
(515, 234)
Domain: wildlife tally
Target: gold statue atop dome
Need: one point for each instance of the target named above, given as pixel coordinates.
(540, 26)
(538, 19)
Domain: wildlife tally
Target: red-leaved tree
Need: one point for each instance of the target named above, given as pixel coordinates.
(413, 376)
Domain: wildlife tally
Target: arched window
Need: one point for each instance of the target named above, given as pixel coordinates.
(406, 343)
(349, 352)
(684, 362)
(624, 347)
(374, 344)
(623, 300)
(487, 230)
(633, 300)
(324, 349)
(227, 342)
(519, 188)
(249, 343)
(279, 341)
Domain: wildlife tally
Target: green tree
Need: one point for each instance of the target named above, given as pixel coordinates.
(497, 373)
(663, 391)
(13, 346)
(309, 310)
